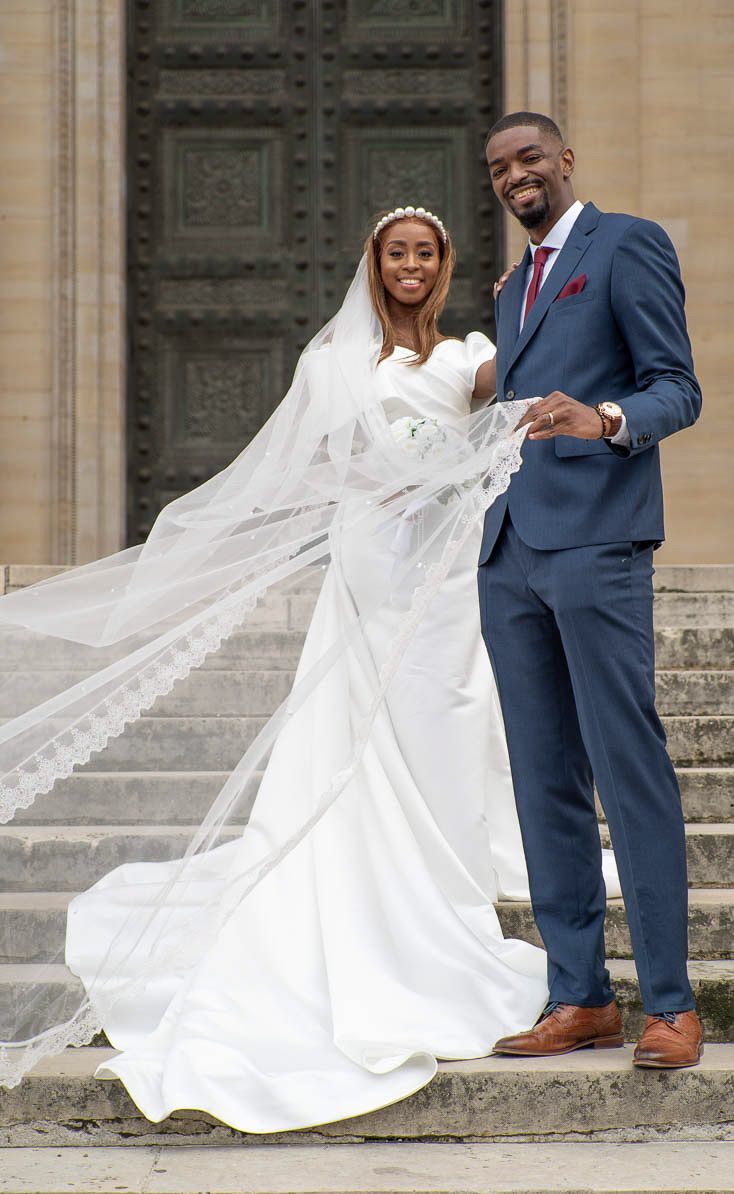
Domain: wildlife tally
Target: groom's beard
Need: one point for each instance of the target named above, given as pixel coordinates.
(537, 215)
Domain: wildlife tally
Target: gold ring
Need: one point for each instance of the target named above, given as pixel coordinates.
(550, 418)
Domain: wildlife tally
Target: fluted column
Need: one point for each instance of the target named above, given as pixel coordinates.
(87, 509)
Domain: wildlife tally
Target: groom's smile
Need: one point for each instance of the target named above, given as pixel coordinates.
(525, 193)
(524, 198)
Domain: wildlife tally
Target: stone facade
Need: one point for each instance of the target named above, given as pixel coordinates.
(642, 90)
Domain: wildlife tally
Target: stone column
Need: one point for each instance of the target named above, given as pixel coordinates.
(61, 280)
(87, 518)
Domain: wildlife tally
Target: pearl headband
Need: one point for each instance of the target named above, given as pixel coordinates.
(407, 213)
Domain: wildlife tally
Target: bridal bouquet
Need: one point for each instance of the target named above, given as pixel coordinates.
(420, 438)
(424, 439)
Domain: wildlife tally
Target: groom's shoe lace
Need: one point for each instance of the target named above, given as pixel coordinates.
(548, 1010)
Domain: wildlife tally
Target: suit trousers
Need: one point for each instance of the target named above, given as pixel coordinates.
(570, 637)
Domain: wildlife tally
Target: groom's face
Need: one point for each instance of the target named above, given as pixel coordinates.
(530, 172)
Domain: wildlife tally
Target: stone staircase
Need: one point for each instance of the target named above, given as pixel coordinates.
(140, 798)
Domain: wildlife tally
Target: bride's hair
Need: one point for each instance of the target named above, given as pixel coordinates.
(427, 314)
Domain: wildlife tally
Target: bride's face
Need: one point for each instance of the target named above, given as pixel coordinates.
(409, 261)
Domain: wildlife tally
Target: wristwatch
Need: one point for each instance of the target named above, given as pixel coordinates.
(610, 414)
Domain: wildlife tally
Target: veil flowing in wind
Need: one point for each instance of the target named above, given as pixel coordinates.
(328, 470)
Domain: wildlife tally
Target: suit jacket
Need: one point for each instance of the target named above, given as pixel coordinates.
(621, 337)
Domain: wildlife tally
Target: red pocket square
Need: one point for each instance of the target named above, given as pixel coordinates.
(574, 287)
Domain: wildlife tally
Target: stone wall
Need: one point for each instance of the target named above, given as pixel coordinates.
(642, 88)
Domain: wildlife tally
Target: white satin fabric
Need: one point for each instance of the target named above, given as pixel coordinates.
(373, 948)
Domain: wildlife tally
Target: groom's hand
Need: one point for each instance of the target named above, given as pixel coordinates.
(569, 417)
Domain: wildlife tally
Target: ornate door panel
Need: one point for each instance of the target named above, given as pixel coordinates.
(263, 137)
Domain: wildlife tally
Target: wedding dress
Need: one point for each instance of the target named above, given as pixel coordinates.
(374, 947)
(315, 965)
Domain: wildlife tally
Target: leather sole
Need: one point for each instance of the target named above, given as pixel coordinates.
(602, 1042)
(667, 1065)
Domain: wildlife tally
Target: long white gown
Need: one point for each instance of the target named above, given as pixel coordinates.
(373, 948)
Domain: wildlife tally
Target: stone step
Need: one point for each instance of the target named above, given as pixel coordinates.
(700, 741)
(180, 744)
(53, 987)
(183, 797)
(709, 850)
(33, 925)
(694, 647)
(578, 1096)
(710, 924)
(393, 1167)
(254, 648)
(710, 854)
(210, 691)
(206, 692)
(712, 982)
(707, 793)
(271, 650)
(694, 578)
(695, 692)
(693, 609)
(276, 615)
(147, 798)
(73, 857)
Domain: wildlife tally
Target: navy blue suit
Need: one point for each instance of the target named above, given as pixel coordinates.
(565, 584)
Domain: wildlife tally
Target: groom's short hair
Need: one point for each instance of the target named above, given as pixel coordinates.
(516, 120)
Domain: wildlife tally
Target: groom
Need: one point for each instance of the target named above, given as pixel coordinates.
(593, 319)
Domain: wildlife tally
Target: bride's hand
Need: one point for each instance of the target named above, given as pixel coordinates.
(501, 281)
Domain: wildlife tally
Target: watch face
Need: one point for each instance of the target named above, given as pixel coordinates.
(611, 409)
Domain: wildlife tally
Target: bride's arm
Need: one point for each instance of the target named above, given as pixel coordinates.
(485, 388)
(485, 385)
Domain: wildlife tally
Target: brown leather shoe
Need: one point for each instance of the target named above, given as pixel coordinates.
(563, 1027)
(670, 1041)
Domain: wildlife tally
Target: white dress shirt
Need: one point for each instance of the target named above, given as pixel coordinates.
(555, 240)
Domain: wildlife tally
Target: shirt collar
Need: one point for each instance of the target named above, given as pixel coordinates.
(559, 233)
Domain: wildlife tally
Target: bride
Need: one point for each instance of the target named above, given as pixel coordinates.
(316, 965)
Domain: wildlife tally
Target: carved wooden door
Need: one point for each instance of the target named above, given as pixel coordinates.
(263, 137)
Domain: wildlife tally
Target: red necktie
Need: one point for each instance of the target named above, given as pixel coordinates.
(539, 260)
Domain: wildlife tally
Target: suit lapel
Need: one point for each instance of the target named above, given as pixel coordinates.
(579, 240)
(511, 299)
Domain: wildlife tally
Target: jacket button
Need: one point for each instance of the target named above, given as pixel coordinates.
(509, 395)
(644, 439)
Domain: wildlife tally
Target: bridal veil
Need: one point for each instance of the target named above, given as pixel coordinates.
(117, 634)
